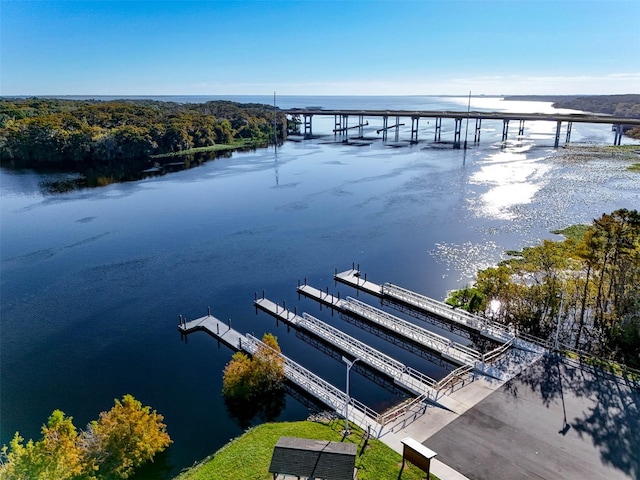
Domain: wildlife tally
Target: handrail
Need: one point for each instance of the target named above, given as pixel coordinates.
(362, 350)
(496, 352)
(401, 409)
(427, 338)
(319, 387)
(458, 372)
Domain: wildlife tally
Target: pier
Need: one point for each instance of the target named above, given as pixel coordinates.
(407, 377)
(342, 121)
(331, 396)
(488, 329)
(451, 351)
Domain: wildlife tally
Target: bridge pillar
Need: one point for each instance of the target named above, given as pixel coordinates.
(397, 128)
(505, 129)
(337, 119)
(568, 138)
(436, 138)
(307, 125)
(345, 121)
(414, 129)
(385, 126)
(618, 135)
(361, 126)
(456, 133)
(557, 142)
(521, 128)
(476, 136)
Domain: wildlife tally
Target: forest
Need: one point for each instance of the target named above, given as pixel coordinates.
(583, 291)
(627, 105)
(78, 135)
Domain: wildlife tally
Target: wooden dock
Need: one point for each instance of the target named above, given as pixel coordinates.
(407, 377)
(451, 351)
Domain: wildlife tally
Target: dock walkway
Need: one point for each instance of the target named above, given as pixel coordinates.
(488, 329)
(407, 377)
(451, 351)
(333, 397)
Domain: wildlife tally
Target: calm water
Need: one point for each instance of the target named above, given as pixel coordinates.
(93, 280)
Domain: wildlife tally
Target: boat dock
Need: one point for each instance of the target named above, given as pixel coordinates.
(333, 397)
(488, 329)
(407, 377)
(449, 350)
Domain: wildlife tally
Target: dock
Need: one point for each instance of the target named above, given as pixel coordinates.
(447, 349)
(404, 376)
(491, 330)
(333, 397)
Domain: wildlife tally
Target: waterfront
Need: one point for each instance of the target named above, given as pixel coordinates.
(93, 280)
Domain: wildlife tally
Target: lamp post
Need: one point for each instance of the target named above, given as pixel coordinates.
(346, 407)
(555, 343)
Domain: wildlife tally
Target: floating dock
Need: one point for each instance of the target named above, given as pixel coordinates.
(333, 397)
(404, 376)
(451, 351)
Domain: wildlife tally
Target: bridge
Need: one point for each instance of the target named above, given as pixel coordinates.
(341, 120)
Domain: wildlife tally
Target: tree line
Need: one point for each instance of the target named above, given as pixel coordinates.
(81, 134)
(584, 290)
(111, 447)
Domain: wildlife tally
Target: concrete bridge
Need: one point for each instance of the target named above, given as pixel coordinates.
(342, 117)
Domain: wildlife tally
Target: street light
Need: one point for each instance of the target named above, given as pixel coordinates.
(350, 364)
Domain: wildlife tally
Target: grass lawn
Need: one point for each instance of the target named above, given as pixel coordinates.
(248, 457)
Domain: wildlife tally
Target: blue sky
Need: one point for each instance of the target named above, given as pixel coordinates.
(319, 47)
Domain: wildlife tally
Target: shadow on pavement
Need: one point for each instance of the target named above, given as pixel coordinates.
(612, 422)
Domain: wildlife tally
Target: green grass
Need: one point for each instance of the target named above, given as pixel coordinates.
(575, 232)
(242, 143)
(634, 168)
(248, 457)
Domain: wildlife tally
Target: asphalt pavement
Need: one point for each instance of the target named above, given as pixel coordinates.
(556, 420)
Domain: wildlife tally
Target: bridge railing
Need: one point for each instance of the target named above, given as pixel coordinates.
(454, 377)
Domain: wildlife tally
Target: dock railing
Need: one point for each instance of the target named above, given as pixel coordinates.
(323, 390)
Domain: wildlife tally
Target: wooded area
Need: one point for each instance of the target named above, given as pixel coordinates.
(617, 105)
(585, 289)
(77, 135)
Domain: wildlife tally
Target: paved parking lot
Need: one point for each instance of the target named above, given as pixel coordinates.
(556, 420)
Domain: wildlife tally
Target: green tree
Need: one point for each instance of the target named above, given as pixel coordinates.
(124, 438)
(57, 455)
(246, 378)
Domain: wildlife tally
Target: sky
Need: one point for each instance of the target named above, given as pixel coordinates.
(347, 47)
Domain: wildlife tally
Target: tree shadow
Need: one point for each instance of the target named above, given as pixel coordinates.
(612, 422)
(266, 407)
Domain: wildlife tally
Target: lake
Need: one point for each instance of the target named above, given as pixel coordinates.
(92, 281)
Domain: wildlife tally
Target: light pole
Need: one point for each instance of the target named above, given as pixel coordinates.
(346, 407)
(555, 343)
